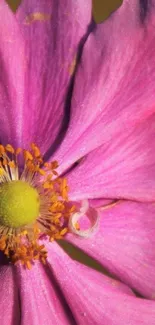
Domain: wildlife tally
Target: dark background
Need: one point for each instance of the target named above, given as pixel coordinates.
(101, 8)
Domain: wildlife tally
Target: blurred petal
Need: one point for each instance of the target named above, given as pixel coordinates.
(125, 245)
(94, 299)
(115, 82)
(12, 65)
(123, 168)
(9, 303)
(40, 300)
(52, 31)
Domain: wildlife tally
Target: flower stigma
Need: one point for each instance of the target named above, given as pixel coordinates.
(19, 204)
(33, 204)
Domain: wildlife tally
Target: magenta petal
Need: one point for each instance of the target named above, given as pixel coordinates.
(12, 87)
(115, 83)
(93, 299)
(9, 303)
(40, 301)
(123, 168)
(52, 31)
(125, 244)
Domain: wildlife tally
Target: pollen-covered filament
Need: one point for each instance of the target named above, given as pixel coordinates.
(33, 203)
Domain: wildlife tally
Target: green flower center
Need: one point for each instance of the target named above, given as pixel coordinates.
(19, 204)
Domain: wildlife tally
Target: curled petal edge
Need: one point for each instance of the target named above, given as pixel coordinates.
(90, 213)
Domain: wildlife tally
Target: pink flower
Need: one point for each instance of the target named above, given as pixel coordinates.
(105, 148)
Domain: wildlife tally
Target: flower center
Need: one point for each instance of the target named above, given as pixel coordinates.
(33, 204)
(19, 204)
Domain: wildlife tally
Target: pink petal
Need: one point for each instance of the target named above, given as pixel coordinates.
(12, 65)
(93, 299)
(125, 245)
(122, 168)
(115, 82)
(41, 302)
(52, 31)
(9, 304)
(100, 202)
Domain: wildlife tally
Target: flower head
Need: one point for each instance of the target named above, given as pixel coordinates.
(83, 94)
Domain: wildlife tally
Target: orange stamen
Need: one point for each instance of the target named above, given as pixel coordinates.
(9, 148)
(22, 245)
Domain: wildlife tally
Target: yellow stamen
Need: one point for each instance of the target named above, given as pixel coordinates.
(1, 171)
(11, 164)
(2, 150)
(9, 148)
(20, 240)
(18, 151)
(36, 150)
(27, 155)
